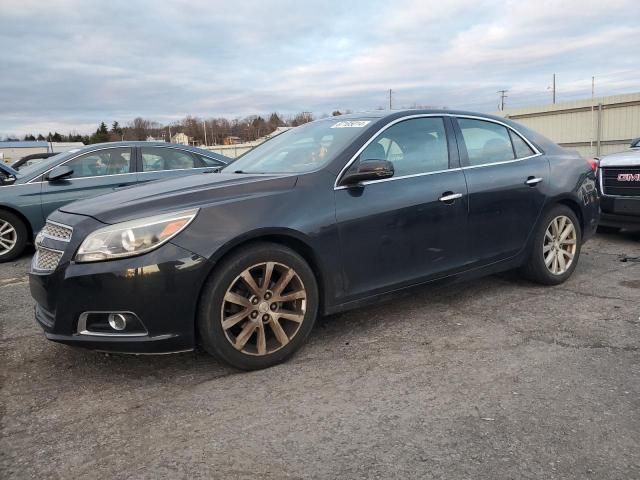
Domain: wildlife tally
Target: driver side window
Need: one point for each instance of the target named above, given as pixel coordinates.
(414, 146)
(111, 161)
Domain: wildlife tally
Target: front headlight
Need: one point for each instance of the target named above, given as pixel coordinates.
(133, 238)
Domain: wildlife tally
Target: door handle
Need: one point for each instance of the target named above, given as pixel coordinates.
(533, 181)
(449, 197)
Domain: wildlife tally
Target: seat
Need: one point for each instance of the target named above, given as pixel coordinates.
(497, 150)
(117, 164)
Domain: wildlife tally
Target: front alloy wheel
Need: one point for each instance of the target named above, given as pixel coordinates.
(560, 243)
(8, 237)
(263, 308)
(13, 236)
(258, 307)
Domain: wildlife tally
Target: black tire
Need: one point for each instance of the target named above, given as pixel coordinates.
(21, 235)
(535, 268)
(212, 336)
(607, 229)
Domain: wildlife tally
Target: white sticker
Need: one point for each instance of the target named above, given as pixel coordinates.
(352, 124)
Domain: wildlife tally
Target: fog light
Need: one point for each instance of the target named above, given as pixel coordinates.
(117, 321)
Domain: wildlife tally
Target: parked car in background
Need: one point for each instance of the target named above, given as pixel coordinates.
(32, 159)
(28, 195)
(325, 217)
(619, 180)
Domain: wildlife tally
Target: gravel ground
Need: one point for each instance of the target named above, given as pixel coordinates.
(496, 378)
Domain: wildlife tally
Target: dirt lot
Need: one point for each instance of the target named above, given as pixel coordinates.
(496, 378)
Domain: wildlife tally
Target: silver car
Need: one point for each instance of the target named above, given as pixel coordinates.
(620, 187)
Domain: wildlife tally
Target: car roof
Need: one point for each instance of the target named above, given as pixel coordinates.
(143, 143)
(413, 111)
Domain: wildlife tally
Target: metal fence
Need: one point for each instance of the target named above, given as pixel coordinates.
(593, 128)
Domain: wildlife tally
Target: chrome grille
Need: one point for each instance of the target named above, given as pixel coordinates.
(57, 231)
(46, 259)
(621, 181)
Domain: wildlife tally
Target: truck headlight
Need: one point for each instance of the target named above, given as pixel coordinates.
(134, 237)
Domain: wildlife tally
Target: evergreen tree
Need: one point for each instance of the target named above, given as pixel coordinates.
(101, 135)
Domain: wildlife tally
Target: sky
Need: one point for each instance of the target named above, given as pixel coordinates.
(67, 65)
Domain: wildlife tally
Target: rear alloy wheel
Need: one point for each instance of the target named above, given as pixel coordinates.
(560, 244)
(258, 307)
(556, 247)
(13, 236)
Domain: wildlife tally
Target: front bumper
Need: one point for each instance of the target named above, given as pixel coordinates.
(161, 288)
(623, 212)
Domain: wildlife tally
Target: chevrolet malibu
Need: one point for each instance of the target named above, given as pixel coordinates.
(329, 216)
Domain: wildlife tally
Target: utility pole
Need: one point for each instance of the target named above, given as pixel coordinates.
(204, 127)
(593, 123)
(390, 105)
(503, 95)
(554, 88)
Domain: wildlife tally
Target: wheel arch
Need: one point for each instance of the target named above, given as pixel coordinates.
(22, 217)
(292, 239)
(575, 208)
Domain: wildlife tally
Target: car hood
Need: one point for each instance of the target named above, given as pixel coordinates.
(627, 158)
(192, 191)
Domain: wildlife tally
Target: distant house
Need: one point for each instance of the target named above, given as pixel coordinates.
(181, 139)
(14, 150)
(231, 140)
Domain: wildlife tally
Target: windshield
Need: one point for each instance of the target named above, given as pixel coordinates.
(301, 149)
(44, 164)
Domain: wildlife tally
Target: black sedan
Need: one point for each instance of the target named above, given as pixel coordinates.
(328, 216)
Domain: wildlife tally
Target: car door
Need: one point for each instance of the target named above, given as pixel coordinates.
(505, 177)
(94, 173)
(412, 226)
(158, 162)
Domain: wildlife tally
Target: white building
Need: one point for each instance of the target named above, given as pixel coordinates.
(13, 151)
(180, 138)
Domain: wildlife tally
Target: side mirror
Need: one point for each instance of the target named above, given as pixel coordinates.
(8, 180)
(368, 170)
(59, 173)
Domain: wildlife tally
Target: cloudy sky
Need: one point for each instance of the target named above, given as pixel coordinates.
(69, 64)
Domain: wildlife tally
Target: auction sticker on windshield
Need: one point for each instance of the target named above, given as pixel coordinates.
(352, 124)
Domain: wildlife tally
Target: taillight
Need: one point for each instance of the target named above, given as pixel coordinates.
(593, 163)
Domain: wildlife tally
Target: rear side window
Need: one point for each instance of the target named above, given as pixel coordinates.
(413, 146)
(486, 142)
(160, 158)
(520, 146)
